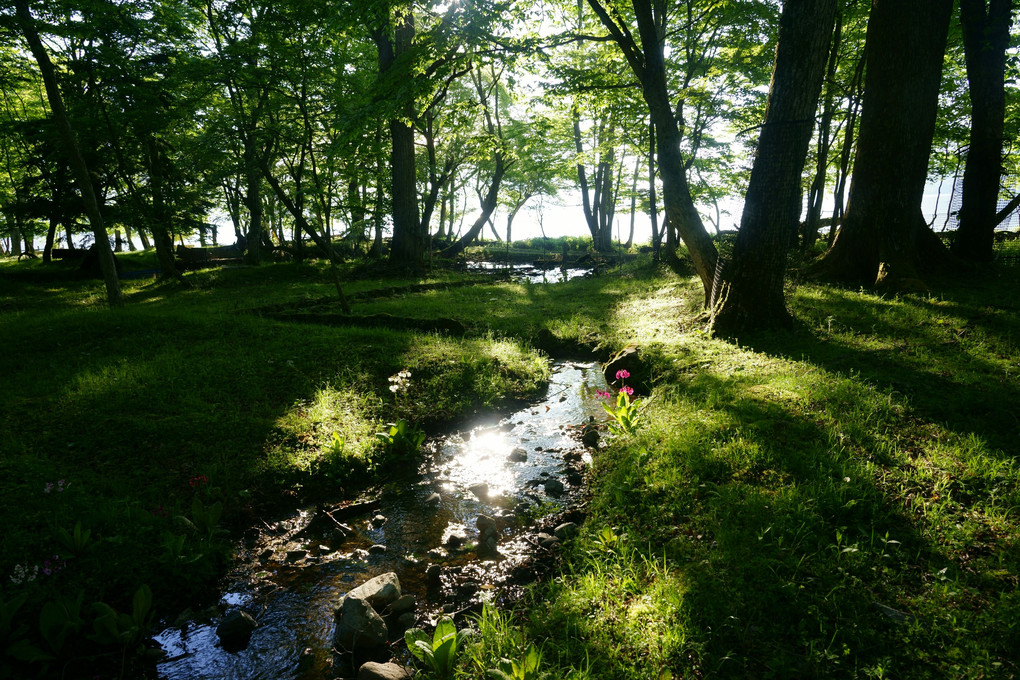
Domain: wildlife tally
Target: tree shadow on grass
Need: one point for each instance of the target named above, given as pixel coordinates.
(953, 370)
(793, 556)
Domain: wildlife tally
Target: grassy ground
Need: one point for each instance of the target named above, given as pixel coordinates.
(837, 501)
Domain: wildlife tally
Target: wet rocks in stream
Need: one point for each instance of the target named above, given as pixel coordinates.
(235, 630)
(481, 490)
(383, 671)
(369, 615)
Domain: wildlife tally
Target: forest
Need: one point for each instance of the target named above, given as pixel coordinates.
(260, 272)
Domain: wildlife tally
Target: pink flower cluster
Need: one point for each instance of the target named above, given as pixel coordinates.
(198, 480)
(53, 566)
(59, 487)
(622, 373)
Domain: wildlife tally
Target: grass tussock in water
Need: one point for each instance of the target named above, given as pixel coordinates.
(842, 500)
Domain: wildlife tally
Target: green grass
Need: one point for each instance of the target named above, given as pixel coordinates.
(789, 487)
(836, 501)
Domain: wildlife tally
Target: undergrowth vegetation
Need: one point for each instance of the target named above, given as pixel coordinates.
(840, 500)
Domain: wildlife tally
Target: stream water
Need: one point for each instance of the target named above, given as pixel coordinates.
(293, 576)
(530, 272)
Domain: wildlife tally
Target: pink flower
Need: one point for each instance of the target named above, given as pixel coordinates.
(622, 373)
(198, 480)
(603, 394)
(627, 389)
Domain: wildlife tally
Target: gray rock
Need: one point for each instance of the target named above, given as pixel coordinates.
(434, 499)
(553, 487)
(432, 576)
(547, 541)
(377, 549)
(405, 603)
(481, 490)
(380, 592)
(296, 555)
(406, 620)
(566, 531)
(358, 626)
(484, 522)
(235, 630)
(518, 455)
(893, 614)
(488, 548)
(383, 671)
(378, 520)
(455, 541)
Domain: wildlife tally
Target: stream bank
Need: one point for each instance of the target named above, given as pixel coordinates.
(469, 526)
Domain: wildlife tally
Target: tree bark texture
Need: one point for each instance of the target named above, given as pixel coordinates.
(160, 217)
(681, 213)
(81, 172)
(748, 291)
(648, 64)
(905, 44)
(408, 245)
(985, 40)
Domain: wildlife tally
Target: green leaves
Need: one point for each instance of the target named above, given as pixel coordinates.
(626, 414)
(527, 668)
(76, 541)
(440, 654)
(401, 439)
(204, 519)
(125, 630)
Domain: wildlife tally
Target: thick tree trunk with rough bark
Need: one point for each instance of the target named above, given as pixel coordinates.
(648, 64)
(905, 45)
(160, 218)
(408, 245)
(676, 194)
(83, 179)
(253, 201)
(748, 291)
(985, 40)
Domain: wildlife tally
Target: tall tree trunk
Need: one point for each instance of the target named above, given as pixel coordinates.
(488, 205)
(15, 237)
(407, 247)
(876, 243)
(253, 201)
(588, 207)
(748, 292)
(127, 238)
(83, 179)
(653, 208)
(160, 219)
(51, 236)
(633, 202)
(817, 190)
(680, 210)
(985, 40)
(854, 109)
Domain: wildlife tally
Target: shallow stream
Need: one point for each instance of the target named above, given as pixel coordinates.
(292, 577)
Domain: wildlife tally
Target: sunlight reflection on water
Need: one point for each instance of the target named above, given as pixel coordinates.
(294, 602)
